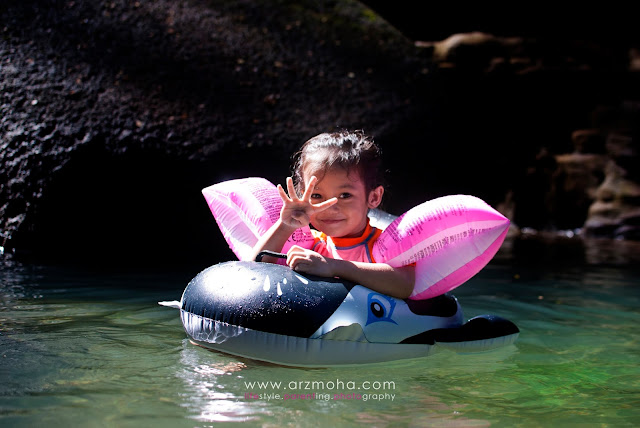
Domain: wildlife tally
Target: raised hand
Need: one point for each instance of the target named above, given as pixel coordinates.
(296, 211)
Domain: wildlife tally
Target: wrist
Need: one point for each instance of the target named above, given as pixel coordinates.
(285, 228)
(339, 268)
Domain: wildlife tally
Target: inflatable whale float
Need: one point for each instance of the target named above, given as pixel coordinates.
(270, 313)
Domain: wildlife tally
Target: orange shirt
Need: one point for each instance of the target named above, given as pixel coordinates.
(356, 249)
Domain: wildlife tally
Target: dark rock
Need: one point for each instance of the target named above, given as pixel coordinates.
(588, 141)
(113, 116)
(575, 183)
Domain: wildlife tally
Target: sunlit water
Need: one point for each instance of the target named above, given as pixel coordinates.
(85, 349)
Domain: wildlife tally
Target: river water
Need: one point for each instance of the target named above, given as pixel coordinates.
(94, 349)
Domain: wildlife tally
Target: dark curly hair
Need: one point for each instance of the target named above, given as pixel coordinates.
(345, 149)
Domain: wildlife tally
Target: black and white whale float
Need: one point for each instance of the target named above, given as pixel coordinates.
(271, 313)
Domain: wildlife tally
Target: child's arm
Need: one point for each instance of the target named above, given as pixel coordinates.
(273, 240)
(295, 213)
(380, 277)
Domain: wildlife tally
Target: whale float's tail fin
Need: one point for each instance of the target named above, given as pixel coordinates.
(171, 304)
(481, 333)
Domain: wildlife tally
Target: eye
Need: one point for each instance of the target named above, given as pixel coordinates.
(316, 196)
(380, 308)
(377, 309)
(380, 305)
(345, 195)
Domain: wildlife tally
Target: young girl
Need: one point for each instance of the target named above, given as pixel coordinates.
(338, 175)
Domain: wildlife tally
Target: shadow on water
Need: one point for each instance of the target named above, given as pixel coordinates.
(549, 251)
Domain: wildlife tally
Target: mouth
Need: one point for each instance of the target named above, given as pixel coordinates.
(331, 221)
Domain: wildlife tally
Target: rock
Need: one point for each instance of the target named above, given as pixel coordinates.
(475, 50)
(595, 188)
(575, 183)
(113, 116)
(588, 141)
(615, 211)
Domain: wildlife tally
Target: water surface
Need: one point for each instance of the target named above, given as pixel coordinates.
(81, 348)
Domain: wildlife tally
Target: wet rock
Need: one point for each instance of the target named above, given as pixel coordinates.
(595, 188)
(615, 211)
(475, 50)
(575, 183)
(616, 205)
(113, 116)
(589, 141)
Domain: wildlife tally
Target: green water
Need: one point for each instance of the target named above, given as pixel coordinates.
(95, 350)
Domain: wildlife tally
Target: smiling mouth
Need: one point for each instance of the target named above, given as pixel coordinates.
(331, 221)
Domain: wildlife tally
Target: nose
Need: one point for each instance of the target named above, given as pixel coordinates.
(334, 207)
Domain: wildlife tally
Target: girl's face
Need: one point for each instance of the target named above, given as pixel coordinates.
(348, 217)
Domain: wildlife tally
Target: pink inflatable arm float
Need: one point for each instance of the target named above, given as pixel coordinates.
(245, 209)
(450, 239)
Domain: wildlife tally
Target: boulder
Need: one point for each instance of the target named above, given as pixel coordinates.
(115, 114)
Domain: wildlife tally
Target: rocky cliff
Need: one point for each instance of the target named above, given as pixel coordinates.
(116, 113)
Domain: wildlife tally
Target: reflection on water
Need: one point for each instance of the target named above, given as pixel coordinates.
(562, 249)
(208, 398)
(218, 387)
(87, 349)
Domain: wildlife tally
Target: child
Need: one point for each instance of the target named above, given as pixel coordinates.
(338, 175)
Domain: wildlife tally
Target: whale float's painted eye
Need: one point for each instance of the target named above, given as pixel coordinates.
(377, 309)
(380, 308)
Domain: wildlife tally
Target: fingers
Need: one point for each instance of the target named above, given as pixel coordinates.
(300, 263)
(292, 194)
(302, 204)
(308, 261)
(324, 205)
(283, 194)
(292, 190)
(295, 256)
(309, 189)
